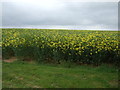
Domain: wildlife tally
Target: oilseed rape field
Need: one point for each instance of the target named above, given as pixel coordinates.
(56, 46)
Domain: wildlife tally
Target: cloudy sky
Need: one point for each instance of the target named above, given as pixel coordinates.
(60, 14)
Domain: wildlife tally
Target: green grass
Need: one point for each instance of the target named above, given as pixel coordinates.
(20, 74)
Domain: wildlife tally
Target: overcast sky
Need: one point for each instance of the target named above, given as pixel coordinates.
(61, 14)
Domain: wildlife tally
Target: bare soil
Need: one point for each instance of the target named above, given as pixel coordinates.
(10, 60)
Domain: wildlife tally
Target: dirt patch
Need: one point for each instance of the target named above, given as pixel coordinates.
(10, 60)
(114, 83)
(0, 58)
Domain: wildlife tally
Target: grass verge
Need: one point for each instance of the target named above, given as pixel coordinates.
(19, 74)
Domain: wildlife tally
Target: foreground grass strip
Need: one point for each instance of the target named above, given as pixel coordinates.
(20, 74)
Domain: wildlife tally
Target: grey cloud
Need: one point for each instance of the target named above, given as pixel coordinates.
(99, 13)
(87, 14)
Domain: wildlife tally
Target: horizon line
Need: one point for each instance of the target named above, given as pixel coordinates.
(56, 28)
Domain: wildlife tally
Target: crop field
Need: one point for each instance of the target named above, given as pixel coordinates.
(55, 46)
(41, 58)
